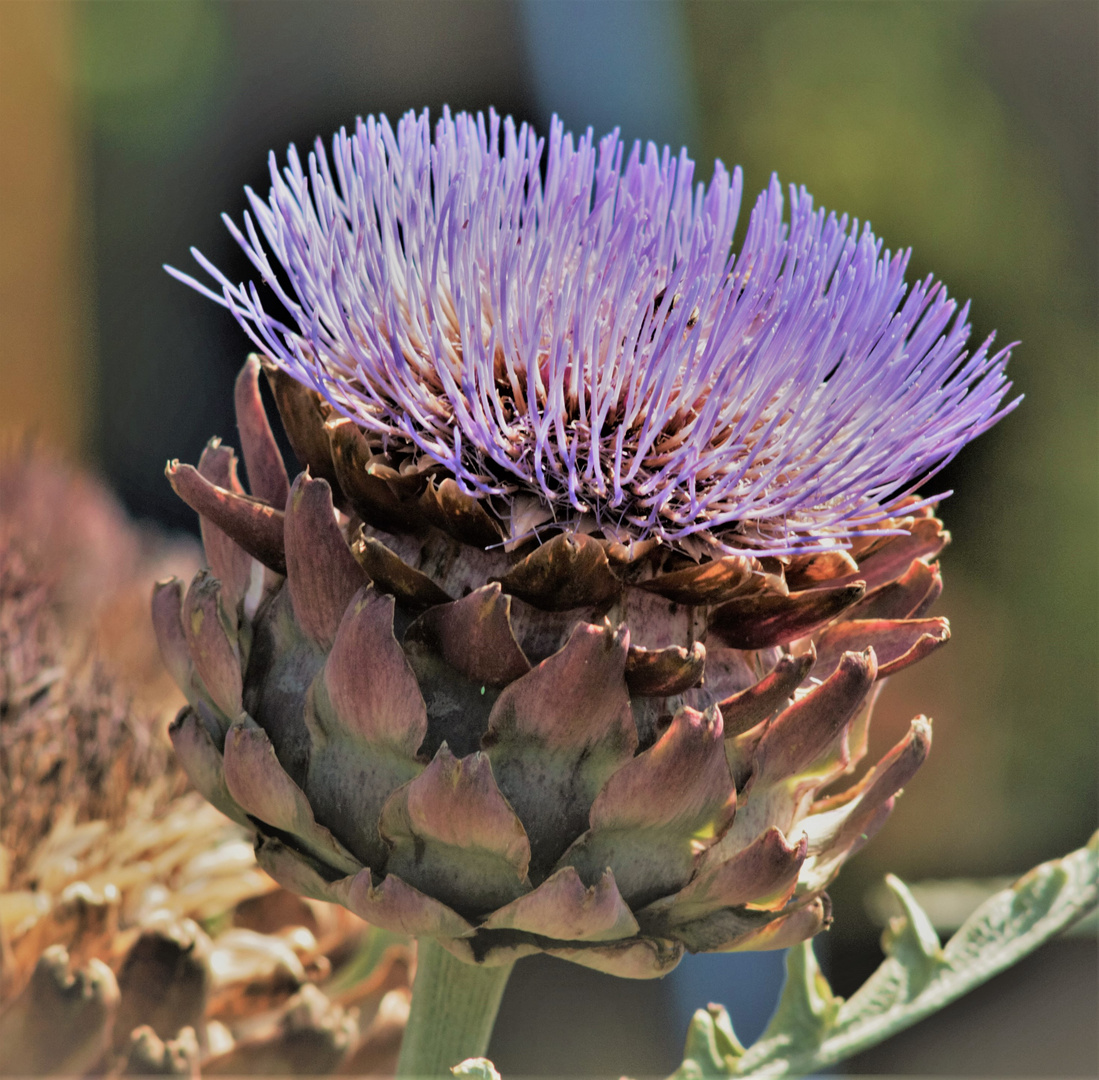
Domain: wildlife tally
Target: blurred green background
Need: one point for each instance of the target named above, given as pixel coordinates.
(966, 131)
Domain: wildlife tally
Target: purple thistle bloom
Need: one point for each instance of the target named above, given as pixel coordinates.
(551, 318)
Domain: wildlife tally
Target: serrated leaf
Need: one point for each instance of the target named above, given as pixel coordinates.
(814, 1029)
(807, 1009)
(712, 1046)
(912, 941)
(476, 1069)
(724, 1035)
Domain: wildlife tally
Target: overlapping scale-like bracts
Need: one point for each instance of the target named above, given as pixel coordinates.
(605, 750)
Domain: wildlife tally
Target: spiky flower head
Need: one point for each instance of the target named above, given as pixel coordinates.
(569, 332)
(602, 544)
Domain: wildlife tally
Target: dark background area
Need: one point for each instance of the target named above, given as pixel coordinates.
(967, 131)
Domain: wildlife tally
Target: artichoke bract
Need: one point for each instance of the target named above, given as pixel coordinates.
(604, 539)
(605, 752)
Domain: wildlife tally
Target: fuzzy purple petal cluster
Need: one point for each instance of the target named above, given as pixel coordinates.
(565, 319)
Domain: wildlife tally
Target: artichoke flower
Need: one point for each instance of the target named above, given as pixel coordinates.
(603, 541)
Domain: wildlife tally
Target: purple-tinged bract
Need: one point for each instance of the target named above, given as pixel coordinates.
(558, 319)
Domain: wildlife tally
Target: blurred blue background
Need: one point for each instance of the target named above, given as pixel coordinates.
(967, 131)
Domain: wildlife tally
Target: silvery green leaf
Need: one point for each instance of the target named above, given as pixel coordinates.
(813, 1028)
(712, 1046)
(476, 1069)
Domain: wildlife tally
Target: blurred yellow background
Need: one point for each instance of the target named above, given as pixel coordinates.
(47, 363)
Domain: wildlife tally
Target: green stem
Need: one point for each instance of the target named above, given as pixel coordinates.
(454, 1006)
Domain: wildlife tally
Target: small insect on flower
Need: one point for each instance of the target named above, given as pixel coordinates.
(604, 539)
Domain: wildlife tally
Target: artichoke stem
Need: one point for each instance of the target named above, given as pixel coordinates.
(454, 1006)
